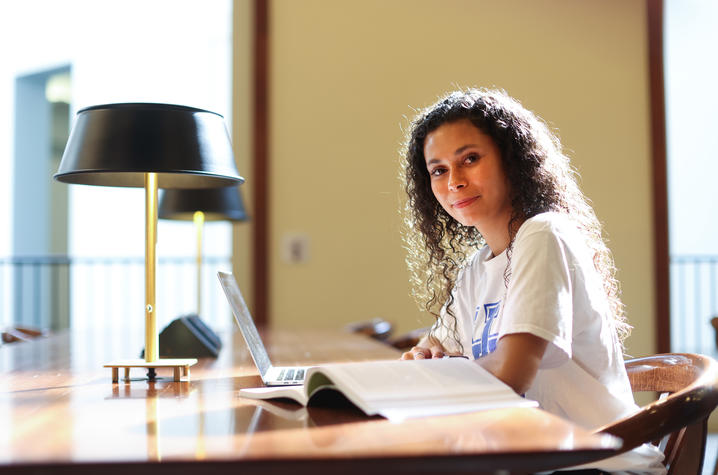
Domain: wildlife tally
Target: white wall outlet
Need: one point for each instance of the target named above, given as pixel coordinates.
(295, 248)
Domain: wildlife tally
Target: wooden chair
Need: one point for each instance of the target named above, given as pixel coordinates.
(17, 334)
(382, 330)
(714, 324)
(407, 340)
(677, 422)
(376, 328)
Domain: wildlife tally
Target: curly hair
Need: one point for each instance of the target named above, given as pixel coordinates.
(541, 179)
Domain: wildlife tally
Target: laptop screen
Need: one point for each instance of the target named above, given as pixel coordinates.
(245, 322)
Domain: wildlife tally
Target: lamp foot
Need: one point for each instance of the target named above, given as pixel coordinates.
(179, 365)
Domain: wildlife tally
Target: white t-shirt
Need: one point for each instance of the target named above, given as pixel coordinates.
(555, 293)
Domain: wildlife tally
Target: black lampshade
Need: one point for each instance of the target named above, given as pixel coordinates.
(116, 144)
(216, 203)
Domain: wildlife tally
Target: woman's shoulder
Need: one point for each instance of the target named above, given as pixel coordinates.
(550, 222)
(551, 227)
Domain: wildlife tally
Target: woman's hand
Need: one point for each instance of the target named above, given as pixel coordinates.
(421, 352)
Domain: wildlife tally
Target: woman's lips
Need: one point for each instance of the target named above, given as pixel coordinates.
(464, 203)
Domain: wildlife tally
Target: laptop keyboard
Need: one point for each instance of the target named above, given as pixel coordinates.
(291, 375)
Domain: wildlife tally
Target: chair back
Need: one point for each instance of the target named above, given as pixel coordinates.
(408, 340)
(377, 328)
(687, 385)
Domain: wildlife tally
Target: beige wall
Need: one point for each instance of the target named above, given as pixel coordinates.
(346, 75)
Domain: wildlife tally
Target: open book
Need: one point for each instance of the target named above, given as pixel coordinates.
(400, 390)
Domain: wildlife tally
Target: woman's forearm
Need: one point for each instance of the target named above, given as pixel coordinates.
(515, 360)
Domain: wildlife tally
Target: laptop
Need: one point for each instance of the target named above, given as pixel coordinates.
(271, 375)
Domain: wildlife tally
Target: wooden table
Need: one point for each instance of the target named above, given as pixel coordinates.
(60, 413)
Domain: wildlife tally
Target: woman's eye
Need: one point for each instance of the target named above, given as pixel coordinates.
(437, 172)
(471, 158)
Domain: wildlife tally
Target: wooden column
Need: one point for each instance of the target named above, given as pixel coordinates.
(260, 233)
(661, 250)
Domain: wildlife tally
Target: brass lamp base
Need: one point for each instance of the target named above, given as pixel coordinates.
(180, 366)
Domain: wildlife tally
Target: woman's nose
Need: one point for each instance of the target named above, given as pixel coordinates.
(456, 180)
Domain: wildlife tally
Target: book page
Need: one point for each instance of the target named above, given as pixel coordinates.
(399, 412)
(414, 379)
(399, 389)
(295, 393)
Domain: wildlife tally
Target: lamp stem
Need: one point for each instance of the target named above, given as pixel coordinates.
(151, 338)
(198, 218)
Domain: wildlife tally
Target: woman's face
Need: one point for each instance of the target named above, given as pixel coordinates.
(467, 176)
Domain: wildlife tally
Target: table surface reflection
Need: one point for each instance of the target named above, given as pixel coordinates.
(60, 412)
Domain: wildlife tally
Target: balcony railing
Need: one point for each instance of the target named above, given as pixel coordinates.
(694, 286)
(56, 292)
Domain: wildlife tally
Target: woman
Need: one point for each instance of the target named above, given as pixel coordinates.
(510, 249)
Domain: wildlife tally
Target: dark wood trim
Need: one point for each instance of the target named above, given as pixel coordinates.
(660, 181)
(260, 164)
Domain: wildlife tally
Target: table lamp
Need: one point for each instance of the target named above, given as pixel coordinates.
(151, 146)
(210, 204)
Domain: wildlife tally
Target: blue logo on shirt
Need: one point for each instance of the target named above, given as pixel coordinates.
(486, 343)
